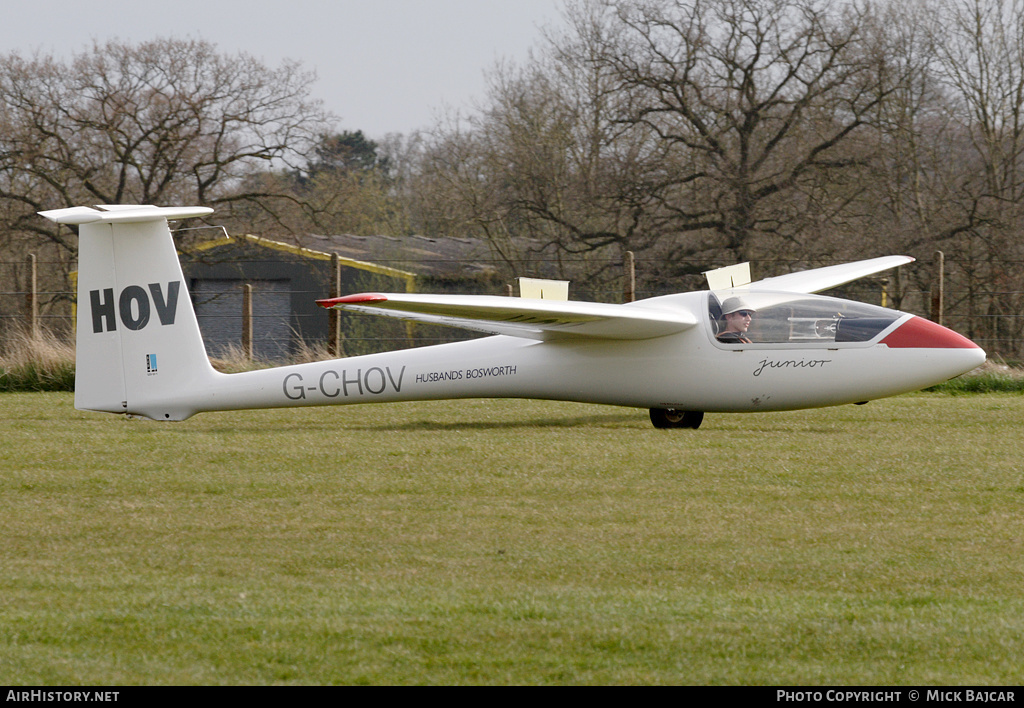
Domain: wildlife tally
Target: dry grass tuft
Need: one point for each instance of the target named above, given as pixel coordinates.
(38, 361)
(306, 352)
(1000, 368)
(234, 359)
(994, 376)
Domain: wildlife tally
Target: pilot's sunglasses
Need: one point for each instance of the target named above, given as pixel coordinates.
(745, 313)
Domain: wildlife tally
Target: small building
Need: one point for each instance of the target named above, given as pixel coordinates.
(287, 279)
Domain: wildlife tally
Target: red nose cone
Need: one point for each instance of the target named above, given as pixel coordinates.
(919, 333)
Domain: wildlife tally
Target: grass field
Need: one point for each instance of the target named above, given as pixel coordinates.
(514, 542)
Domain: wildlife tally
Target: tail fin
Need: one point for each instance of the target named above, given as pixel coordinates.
(138, 341)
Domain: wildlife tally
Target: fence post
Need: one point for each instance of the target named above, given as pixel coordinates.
(629, 266)
(938, 294)
(897, 292)
(508, 290)
(247, 321)
(32, 298)
(334, 315)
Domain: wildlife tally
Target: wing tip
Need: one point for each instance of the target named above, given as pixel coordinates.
(357, 299)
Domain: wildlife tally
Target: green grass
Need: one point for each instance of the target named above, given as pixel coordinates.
(513, 542)
(983, 382)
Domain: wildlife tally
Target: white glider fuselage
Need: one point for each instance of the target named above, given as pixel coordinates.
(140, 352)
(685, 371)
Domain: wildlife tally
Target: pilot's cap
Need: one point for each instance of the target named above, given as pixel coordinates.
(735, 304)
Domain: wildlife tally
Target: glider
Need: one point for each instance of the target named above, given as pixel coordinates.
(752, 346)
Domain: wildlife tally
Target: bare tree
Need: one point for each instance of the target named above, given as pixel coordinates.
(980, 49)
(166, 121)
(689, 131)
(545, 166)
(756, 98)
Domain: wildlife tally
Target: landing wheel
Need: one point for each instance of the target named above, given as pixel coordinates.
(671, 418)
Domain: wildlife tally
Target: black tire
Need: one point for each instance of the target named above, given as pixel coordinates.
(672, 418)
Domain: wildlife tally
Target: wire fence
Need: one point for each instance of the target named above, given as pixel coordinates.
(993, 318)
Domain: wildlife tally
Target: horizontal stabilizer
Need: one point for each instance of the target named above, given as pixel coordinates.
(532, 319)
(122, 214)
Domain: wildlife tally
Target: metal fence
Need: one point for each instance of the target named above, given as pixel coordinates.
(994, 319)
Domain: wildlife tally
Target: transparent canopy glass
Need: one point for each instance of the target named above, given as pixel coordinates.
(785, 318)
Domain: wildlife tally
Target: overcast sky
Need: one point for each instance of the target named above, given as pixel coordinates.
(383, 65)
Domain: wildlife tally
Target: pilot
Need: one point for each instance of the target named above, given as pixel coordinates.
(737, 316)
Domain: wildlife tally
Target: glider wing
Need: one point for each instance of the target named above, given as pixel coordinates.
(818, 279)
(519, 317)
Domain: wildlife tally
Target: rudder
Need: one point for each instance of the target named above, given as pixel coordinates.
(138, 345)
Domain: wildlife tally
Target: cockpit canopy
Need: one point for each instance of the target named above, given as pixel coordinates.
(791, 318)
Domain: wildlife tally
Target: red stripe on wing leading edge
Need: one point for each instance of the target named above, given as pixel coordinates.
(919, 333)
(360, 298)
